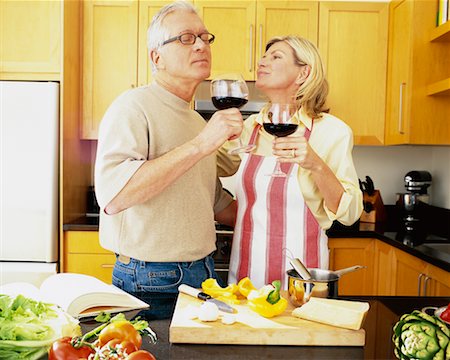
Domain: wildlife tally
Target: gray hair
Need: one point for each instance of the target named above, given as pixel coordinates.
(157, 33)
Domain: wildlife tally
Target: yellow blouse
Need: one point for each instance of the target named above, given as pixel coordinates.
(332, 140)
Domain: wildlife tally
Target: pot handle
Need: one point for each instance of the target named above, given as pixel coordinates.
(349, 269)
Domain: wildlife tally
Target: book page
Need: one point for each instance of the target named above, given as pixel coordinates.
(77, 292)
(21, 288)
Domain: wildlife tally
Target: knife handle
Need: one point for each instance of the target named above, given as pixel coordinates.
(189, 290)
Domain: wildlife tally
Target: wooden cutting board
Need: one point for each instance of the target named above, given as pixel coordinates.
(253, 329)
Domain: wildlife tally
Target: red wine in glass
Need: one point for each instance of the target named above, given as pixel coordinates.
(226, 102)
(280, 130)
(228, 91)
(278, 122)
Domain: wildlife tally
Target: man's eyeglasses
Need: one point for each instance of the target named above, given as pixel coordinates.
(190, 39)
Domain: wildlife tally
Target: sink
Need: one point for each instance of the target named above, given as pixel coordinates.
(441, 247)
(438, 250)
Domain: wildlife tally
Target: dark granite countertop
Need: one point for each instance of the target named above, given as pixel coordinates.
(383, 314)
(438, 233)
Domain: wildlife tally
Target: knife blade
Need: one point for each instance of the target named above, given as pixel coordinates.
(189, 290)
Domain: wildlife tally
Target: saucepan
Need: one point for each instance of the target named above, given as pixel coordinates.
(322, 283)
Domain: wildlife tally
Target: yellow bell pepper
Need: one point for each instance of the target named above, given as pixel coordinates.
(267, 301)
(266, 309)
(226, 294)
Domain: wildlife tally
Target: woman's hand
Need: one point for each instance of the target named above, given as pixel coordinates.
(296, 149)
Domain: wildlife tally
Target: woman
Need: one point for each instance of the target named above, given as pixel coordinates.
(283, 218)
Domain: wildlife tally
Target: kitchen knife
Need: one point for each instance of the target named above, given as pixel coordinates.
(189, 290)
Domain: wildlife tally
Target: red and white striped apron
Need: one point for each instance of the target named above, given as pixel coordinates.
(273, 223)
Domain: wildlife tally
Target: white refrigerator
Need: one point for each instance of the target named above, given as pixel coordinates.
(29, 158)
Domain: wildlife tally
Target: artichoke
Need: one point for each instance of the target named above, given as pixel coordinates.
(420, 336)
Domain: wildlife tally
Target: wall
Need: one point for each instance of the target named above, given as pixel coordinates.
(388, 165)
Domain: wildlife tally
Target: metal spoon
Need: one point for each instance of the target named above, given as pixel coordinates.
(301, 269)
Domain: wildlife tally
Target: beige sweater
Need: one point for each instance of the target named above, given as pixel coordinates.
(178, 224)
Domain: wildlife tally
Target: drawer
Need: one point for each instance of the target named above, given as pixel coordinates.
(83, 242)
(98, 265)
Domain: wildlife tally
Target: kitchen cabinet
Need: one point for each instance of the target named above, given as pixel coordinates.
(436, 282)
(407, 274)
(110, 46)
(390, 271)
(346, 252)
(383, 268)
(243, 27)
(30, 38)
(353, 45)
(414, 277)
(115, 55)
(418, 83)
(84, 255)
(347, 54)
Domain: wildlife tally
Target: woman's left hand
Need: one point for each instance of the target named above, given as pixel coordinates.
(296, 149)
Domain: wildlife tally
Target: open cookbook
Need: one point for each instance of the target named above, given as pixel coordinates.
(78, 294)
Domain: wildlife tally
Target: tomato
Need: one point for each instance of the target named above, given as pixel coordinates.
(140, 355)
(446, 314)
(120, 330)
(123, 344)
(62, 349)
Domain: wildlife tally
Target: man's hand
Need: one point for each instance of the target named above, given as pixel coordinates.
(224, 125)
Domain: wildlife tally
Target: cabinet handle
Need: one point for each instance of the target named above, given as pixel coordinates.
(251, 49)
(400, 110)
(107, 266)
(425, 286)
(419, 280)
(260, 40)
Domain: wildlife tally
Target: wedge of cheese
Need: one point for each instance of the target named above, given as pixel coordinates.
(340, 313)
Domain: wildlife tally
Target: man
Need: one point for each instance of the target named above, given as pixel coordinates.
(155, 172)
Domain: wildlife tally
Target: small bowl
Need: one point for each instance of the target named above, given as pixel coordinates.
(436, 311)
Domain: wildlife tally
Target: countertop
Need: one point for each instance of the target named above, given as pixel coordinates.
(383, 314)
(387, 232)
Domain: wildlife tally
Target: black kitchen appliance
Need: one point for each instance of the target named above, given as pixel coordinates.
(413, 204)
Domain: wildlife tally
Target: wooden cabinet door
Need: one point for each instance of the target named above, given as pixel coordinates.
(437, 282)
(109, 57)
(147, 9)
(353, 44)
(279, 18)
(30, 38)
(384, 257)
(233, 24)
(398, 82)
(349, 252)
(408, 274)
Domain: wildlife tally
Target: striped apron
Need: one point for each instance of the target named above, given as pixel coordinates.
(273, 223)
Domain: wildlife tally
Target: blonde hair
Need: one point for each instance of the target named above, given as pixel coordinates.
(312, 94)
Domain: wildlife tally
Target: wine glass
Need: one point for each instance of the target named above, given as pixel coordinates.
(278, 122)
(227, 91)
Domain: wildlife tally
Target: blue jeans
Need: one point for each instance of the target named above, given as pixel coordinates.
(141, 278)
